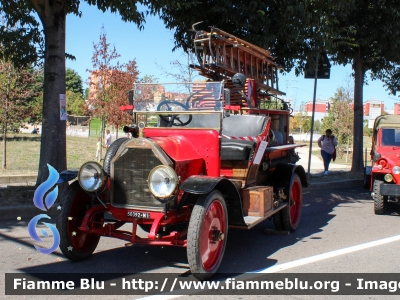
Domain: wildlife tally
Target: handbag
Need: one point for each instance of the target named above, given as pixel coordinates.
(334, 155)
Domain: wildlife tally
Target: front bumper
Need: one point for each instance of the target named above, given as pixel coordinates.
(389, 189)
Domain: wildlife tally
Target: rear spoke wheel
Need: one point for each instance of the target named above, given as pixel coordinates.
(291, 214)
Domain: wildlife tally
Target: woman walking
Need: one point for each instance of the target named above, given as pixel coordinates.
(327, 143)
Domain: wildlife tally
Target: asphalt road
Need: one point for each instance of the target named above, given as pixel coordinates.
(333, 223)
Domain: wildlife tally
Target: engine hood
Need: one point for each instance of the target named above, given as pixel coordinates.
(177, 147)
(188, 160)
(390, 153)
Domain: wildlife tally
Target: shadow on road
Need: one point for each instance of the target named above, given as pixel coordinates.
(246, 251)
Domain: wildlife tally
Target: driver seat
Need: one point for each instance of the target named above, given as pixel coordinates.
(241, 126)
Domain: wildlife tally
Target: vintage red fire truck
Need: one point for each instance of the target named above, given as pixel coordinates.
(203, 157)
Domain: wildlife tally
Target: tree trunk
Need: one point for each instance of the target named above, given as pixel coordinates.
(6, 118)
(359, 73)
(53, 142)
(5, 146)
(101, 137)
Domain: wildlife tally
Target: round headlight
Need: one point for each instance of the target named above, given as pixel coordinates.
(396, 170)
(91, 176)
(388, 177)
(163, 181)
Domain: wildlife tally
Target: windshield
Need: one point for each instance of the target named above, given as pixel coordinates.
(391, 137)
(190, 96)
(187, 105)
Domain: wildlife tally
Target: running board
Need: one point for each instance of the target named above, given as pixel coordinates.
(252, 221)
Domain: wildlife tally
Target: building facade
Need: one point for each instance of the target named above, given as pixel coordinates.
(396, 109)
(372, 109)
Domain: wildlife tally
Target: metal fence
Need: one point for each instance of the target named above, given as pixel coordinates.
(78, 120)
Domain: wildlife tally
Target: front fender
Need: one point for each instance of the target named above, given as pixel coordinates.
(199, 185)
(283, 173)
(67, 175)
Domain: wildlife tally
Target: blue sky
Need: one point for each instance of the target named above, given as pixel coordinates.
(154, 45)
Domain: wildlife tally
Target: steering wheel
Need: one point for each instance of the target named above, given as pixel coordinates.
(173, 120)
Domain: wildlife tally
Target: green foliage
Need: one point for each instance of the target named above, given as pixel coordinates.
(22, 33)
(75, 104)
(272, 104)
(148, 79)
(26, 41)
(356, 32)
(74, 88)
(86, 94)
(73, 82)
(367, 131)
(340, 116)
(19, 90)
(317, 125)
(35, 110)
(300, 122)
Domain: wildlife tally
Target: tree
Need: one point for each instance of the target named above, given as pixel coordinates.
(273, 103)
(35, 107)
(75, 103)
(17, 91)
(367, 131)
(148, 79)
(73, 82)
(101, 80)
(122, 81)
(317, 125)
(28, 43)
(301, 121)
(340, 117)
(74, 91)
(86, 94)
(355, 32)
(181, 71)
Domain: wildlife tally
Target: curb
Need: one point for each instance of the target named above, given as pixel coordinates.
(29, 211)
(339, 184)
(12, 179)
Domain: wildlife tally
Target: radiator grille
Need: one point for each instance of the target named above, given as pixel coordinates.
(129, 185)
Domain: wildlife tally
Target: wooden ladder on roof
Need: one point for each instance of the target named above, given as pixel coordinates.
(221, 55)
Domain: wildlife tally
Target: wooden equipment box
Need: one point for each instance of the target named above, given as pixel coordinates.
(258, 201)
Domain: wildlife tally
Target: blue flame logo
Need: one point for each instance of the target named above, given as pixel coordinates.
(44, 203)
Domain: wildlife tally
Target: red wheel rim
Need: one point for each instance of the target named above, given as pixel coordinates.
(80, 241)
(295, 202)
(212, 237)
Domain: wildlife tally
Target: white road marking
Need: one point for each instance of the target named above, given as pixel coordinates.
(315, 258)
(303, 261)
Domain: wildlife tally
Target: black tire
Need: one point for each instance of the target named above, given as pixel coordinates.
(367, 180)
(209, 212)
(75, 203)
(111, 151)
(277, 218)
(291, 214)
(379, 200)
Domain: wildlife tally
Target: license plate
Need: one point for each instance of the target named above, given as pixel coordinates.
(136, 214)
